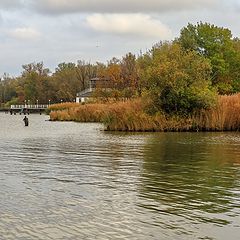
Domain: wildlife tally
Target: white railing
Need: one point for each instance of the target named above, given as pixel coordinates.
(30, 106)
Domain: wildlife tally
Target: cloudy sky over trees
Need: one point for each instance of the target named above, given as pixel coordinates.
(55, 31)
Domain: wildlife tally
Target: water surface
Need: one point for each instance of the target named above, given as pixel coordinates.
(64, 180)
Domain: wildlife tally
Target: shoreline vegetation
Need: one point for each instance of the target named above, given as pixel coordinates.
(131, 116)
(191, 83)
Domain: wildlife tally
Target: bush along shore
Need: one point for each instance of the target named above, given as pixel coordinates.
(191, 83)
(133, 115)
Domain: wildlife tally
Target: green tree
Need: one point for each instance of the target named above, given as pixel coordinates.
(34, 83)
(216, 44)
(7, 88)
(71, 78)
(65, 82)
(37, 68)
(85, 71)
(177, 81)
(234, 65)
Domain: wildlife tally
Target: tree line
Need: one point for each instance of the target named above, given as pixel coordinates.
(175, 77)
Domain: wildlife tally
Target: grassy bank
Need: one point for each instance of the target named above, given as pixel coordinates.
(130, 116)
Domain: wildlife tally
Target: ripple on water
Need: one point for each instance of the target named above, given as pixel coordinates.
(74, 181)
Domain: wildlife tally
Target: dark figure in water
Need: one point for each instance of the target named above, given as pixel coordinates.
(26, 121)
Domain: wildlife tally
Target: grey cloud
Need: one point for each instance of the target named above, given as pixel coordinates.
(10, 4)
(120, 6)
(238, 7)
(27, 37)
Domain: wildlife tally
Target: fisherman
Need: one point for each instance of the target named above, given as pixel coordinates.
(26, 121)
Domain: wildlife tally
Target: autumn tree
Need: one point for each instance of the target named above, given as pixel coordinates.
(177, 81)
(112, 74)
(130, 76)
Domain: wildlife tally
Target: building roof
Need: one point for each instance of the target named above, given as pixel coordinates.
(83, 95)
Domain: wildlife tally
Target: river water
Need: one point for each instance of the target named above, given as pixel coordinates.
(64, 180)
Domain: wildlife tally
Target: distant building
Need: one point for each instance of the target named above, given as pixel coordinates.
(94, 83)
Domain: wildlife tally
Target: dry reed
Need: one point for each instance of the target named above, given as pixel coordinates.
(130, 116)
(224, 117)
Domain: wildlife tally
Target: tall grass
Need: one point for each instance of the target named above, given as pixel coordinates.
(62, 106)
(130, 116)
(78, 113)
(119, 116)
(224, 117)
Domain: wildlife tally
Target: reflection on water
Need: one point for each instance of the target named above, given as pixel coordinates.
(192, 180)
(74, 181)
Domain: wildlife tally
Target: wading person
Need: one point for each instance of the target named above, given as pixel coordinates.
(25, 121)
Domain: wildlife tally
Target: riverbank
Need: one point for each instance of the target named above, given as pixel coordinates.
(132, 116)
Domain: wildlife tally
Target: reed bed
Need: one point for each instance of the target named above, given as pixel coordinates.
(225, 116)
(119, 116)
(79, 113)
(130, 116)
(62, 106)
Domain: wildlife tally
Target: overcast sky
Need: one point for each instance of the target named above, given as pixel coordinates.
(55, 31)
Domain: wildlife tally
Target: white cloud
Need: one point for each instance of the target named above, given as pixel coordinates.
(120, 6)
(129, 24)
(117, 29)
(25, 33)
